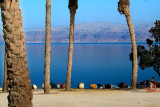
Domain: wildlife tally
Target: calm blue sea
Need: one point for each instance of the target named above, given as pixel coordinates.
(92, 64)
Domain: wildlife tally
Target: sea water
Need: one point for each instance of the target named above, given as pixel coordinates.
(92, 64)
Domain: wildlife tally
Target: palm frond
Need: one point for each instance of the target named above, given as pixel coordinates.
(73, 4)
(123, 6)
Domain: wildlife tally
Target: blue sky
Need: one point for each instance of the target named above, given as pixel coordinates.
(33, 12)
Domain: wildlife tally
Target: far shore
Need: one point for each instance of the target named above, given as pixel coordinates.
(128, 42)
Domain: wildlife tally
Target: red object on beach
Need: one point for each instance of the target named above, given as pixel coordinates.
(152, 88)
(59, 85)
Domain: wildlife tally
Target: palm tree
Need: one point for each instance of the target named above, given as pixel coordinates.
(73, 6)
(5, 84)
(47, 47)
(123, 8)
(20, 93)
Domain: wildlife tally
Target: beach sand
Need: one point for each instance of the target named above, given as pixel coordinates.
(92, 98)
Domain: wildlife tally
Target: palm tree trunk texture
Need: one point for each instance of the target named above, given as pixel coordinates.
(70, 54)
(47, 47)
(20, 93)
(134, 50)
(5, 84)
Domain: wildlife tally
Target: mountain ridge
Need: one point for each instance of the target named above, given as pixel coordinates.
(90, 32)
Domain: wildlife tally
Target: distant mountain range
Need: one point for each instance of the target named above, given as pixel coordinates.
(99, 32)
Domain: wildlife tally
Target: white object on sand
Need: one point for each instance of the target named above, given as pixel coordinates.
(34, 87)
(81, 85)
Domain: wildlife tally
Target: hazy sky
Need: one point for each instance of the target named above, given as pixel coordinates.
(33, 12)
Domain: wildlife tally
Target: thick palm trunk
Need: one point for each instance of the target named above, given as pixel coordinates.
(70, 54)
(5, 84)
(47, 47)
(134, 50)
(20, 93)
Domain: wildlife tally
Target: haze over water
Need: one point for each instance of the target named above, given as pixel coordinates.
(92, 64)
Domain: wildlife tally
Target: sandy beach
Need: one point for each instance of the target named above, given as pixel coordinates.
(92, 98)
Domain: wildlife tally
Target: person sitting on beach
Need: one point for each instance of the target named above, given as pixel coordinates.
(151, 85)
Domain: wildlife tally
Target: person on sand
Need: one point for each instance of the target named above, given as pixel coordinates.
(152, 80)
(151, 85)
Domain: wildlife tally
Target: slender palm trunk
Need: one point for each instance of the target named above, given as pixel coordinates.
(134, 50)
(20, 93)
(70, 54)
(5, 84)
(47, 47)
